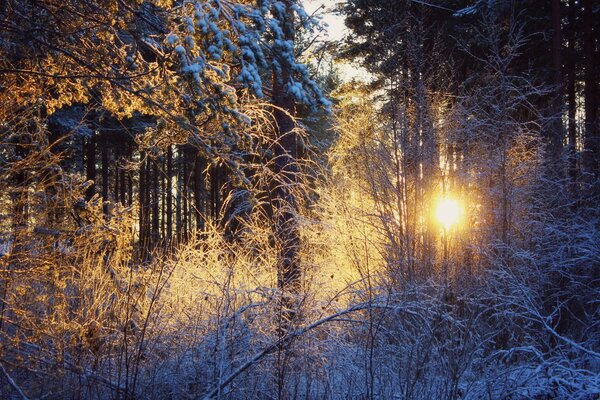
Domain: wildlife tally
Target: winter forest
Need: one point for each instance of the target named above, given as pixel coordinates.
(284, 199)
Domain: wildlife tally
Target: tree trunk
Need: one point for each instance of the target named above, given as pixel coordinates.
(591, 132)
(163, 200)
(556, 126)
(122, 185)
(184, 194)
(155, 203)
(286, 169)
(118, 172)
(129, 177)
(571, 96)
(214, 193)
(198, 193)
(142, 204)
(90, 166)
(105, 179)
(169, 193)
(178, 205)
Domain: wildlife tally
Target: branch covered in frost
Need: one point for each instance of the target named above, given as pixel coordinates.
(13, 383)
(382, 304)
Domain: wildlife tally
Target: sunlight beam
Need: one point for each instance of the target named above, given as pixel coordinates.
(448, 212)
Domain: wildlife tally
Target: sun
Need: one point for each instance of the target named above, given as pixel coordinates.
(448, 212)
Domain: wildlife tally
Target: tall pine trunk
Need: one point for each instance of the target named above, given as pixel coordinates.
(90, 166)
(105, 177)
(169, 193)
(591, 130)
(571, 95)
(556, 126)
(284, 201)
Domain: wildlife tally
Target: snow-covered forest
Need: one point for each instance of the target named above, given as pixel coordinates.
(227, 199)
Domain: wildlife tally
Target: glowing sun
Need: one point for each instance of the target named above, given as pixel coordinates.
(448, 212)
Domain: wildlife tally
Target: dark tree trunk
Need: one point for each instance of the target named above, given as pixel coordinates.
(142, 203)
(129, 175)
(163, 202)
(214, 192)
(591, 142)
(105, 179)
(123, 182)
(169, 193)
(118, 172)
(179, 223)
(571, 95)
(556, 130)
(285, 206)
(198, 193)
(155, 203)
(184, 193)
(90, 166)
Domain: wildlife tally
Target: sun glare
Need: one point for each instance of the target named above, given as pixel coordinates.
(448, 212)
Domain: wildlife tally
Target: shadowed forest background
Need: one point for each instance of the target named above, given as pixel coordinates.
(200, 199)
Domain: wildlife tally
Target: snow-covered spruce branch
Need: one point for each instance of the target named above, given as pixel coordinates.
(382, 304)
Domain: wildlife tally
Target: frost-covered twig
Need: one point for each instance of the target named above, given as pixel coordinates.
(289, 337)
(13, 383)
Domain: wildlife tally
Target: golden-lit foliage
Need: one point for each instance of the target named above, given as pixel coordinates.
(345, 246)
(84, 291)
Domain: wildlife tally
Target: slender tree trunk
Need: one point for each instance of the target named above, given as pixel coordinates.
(90, 166)
(178, 206)
(591, 132)
(129, 177)
(572, 100)
(556, 130)
(123, 185)
(105, 180)
(118, 172)
(155, 203)
(184, 193)
(163, 201)
(169, 193)
(214, 192)
(142, 204)
(198, 192)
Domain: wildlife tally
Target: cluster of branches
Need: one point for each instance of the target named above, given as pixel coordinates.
(155, 183)
(475, 101)
(130, 130)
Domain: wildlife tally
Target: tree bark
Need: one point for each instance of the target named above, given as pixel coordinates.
(105, 178)
(214, 193)
(143, 210)
(571, 95)
(118, 172)
(169, 193)
(178, 206)
(90, 166)
(591, 132)
(184, 194)
(286, 169)
(198, 193)
(556, 130)
(155, 203)
(122, 185)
